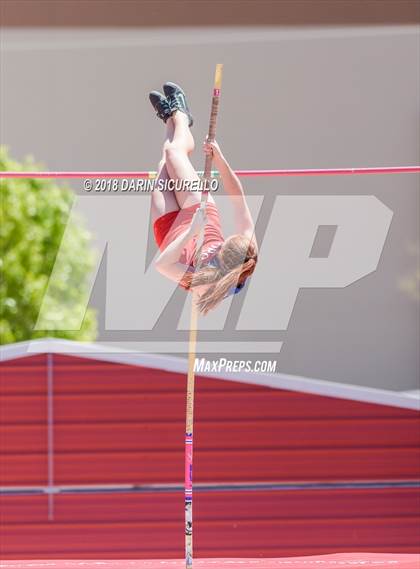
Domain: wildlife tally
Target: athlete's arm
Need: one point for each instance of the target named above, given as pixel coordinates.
(233, 187)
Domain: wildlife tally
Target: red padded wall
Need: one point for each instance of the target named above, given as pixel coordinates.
(239, 524)
(117, 424)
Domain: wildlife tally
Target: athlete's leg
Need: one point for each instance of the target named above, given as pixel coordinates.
(163, 201)
(176, 151)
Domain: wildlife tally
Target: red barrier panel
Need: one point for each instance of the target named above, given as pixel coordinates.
(117, 423)
(344, 560)
(240, 523)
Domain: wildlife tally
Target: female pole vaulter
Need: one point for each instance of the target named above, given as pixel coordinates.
(223, 264)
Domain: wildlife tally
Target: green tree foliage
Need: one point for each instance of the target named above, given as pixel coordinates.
(33, 217)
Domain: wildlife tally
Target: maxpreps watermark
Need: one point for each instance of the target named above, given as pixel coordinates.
(137, 185)
(361, 225)
(202, 365)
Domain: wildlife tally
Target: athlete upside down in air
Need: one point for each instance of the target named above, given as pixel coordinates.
(224, 264)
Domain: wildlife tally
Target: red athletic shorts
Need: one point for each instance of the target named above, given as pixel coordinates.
(170, 225)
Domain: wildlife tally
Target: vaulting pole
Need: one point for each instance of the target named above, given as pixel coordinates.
(193, 340)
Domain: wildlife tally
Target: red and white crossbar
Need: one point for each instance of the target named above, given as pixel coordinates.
(240, 173)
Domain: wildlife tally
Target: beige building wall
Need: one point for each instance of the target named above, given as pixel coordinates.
(293, 97)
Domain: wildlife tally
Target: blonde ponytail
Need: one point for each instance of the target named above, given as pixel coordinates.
(237, 260)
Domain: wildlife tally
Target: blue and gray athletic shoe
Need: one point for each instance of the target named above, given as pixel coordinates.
(177, 100)
(161, 105)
